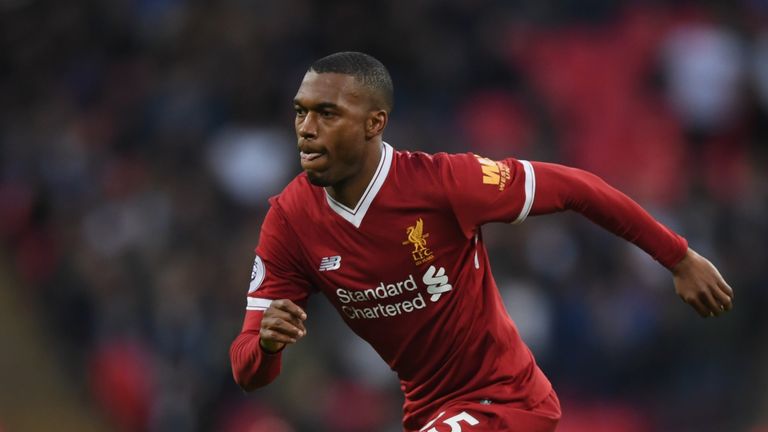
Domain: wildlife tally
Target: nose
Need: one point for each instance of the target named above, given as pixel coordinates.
(306, 127)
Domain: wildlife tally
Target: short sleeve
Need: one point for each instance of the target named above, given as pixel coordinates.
(276, 272)
(482, 190)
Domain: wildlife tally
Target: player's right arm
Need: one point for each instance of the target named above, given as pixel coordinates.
(274, 315)
(256, 352)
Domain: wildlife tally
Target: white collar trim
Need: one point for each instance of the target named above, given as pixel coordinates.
(355, 216)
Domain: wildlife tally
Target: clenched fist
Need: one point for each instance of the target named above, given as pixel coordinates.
(282, 324)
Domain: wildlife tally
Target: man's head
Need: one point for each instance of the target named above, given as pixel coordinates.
(342, 107)
(368, 72)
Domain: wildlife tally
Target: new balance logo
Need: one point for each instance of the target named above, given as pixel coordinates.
(330, 263)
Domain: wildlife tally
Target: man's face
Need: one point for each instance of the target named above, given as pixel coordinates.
(331, 111)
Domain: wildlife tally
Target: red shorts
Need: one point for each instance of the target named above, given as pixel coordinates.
(486, 416)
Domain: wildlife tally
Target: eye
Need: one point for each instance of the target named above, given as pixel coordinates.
(327, 114)
(300, 112)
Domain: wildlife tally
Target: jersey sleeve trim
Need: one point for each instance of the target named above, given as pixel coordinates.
(258, 304)
(530, 191)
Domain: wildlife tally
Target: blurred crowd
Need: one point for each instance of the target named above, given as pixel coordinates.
(140, 140)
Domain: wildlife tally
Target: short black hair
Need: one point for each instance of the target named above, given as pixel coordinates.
(368, 71)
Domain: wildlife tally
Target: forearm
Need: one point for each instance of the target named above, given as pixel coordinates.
(252, 367)
(561, 188)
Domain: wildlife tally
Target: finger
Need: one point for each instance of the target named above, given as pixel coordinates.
(695, 304)
(290, 307)
(710, 304)
(273, 313)
(723, 285)
(723, 299)
(282, 326)
(270, 335)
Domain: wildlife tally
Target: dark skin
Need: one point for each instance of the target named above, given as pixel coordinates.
(699, 284)
(339, 124)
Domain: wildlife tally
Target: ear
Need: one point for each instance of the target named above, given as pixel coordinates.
(375, 123)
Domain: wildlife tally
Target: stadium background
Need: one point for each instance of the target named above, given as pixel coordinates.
(139, 141)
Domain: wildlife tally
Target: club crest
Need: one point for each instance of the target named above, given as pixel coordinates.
(418, 238)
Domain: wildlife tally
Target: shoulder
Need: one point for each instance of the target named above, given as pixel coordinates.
(288, 210)
(420, 161)
(297, 198)
(437, 165)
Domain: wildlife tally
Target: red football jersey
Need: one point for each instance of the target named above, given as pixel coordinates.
(408, 272)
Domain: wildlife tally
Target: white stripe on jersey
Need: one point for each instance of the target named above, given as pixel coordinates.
(530, 191)
(258, 304)
(355, 216)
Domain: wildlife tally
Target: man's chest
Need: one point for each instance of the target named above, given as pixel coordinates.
(399, 261)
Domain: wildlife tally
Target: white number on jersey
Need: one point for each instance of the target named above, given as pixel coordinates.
(453, 422)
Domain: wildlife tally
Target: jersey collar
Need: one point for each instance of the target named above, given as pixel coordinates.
(355, 216)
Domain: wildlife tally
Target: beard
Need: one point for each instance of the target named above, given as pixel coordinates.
(317, 180)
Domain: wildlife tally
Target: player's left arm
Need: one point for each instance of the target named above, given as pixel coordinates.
(696, 280)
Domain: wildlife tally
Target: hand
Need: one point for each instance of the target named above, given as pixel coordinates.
(700, 285)
(282, 324)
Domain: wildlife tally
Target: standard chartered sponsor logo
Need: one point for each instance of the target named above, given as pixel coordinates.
(397, 297)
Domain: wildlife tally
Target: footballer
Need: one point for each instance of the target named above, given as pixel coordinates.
(393, 240)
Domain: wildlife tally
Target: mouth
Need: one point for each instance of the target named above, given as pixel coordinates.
(311, 160)
(309, 157)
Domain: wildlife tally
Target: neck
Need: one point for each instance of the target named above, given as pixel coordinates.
(349, 191)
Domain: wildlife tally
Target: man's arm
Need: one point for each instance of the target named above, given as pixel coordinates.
(270, 323)
(696, 280)
(256, 352)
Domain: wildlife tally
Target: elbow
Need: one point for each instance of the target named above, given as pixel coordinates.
(242, 368)
(250, 369)
(249, 381)
(242, 381)
(242, 378)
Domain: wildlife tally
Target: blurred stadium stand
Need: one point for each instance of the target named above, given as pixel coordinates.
(139, 141)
